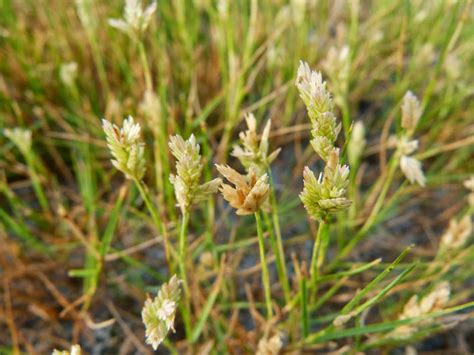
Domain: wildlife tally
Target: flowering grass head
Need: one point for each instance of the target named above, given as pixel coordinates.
(436, 300)
(357, 143)
(313, 92)
(135, 19)
(75, 350)
(326, 194)
(249, 193)
(189, 167)
(158, 314)
(337, 67)
(270, 346)
(469, 185)
(254, 151)
(319, 105)
(411, 112)
(20, 137)
(68, 73)
(126, 147)
(457, 233)
(410, 166)
(325, 131)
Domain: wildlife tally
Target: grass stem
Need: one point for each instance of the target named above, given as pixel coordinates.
(183, 243)
(279, 252)
(319, 249)
(35, 180)
(156, 219)
(304, 305)
(265, 274)
(146, 67)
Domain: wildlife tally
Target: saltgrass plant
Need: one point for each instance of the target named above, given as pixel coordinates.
(326, 194)
(375, 256)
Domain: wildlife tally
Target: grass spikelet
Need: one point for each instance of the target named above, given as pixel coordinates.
(158, 314)
(126, 147)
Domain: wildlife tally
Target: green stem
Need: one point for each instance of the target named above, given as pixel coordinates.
(265, 274)
(98, 61)
(35, 180)
(319, 249)
(324, 246)
(353, 190)
(183, 243)
(279, 254)
(156, 219)
(146, 67)
(346, 117)
(273, 243)
(304, 307)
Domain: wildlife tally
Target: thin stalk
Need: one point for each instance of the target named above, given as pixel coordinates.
(322, 239)
(146, 67)
(353, 191)
(209, 211)
(43, 201)
(156, 219)
(273, 242)
(327, 295)
(324, 245)
(183, 243)
(346, 116)
(157, 149)
(304, 306)
(449, 40)
(98, 61)
(159, 133)
(280, 254)
(265, 274)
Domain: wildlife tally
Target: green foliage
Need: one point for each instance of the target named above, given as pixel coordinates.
(81, 244)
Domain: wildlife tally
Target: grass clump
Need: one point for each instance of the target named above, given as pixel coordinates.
(352, 229)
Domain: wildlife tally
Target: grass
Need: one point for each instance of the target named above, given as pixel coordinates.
(82, 246)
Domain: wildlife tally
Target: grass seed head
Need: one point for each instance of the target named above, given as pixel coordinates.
(135, 19)
(357, 143)
(319, 105)
(271, 346)
(75, 350)
(407, 146)
(436, 300)
(457, 233)
(20, 137)
(188, 173)
(126, 147)
(250, 191)
(326, 194)
(337, 67)
(85, 13)
(254, 151)
(412, 170)
(469, 184)
(158, 314)
(313, 91)
(68, 73)
(411, 112)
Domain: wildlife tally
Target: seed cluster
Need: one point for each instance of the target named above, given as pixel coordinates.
(327, 193)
